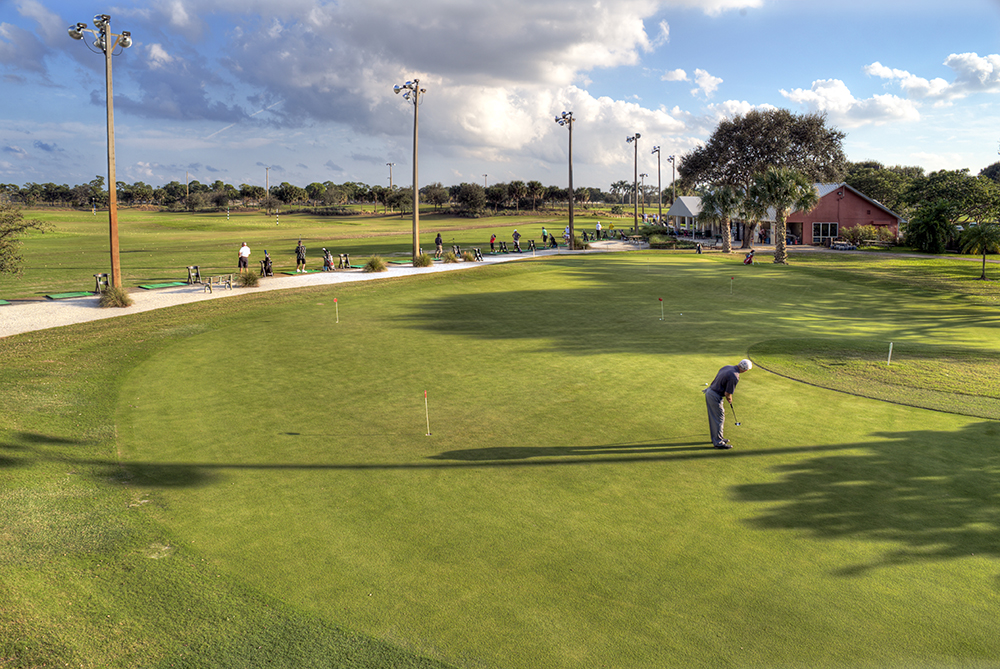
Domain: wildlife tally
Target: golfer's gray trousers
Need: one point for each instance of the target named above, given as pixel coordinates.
(716, 415)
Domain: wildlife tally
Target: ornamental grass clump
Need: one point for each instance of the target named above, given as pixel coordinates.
(423, 260)
(115, 296)
(468, 256)
(375, 264)
(248, 279)
(450, 257)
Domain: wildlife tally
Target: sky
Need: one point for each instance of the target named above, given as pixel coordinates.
(302, 90)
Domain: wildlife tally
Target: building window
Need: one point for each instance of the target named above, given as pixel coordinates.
(823, 232)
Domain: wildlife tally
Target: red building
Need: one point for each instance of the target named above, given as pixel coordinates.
(840, 207)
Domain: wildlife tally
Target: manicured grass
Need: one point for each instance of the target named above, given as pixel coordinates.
(247, 481)
(157, 247)
(933, 377)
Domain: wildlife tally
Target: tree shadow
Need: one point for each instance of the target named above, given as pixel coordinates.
(936, 495)
(607, 297)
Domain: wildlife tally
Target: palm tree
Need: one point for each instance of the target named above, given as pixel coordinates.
(719, 206)
(535, 191)
(785, 190)
(517, 191)
(983, 238)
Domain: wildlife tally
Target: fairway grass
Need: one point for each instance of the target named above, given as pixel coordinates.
(244, 481)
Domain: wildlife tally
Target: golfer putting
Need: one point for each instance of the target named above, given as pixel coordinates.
(722, 388)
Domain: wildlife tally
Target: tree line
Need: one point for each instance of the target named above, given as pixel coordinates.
(197, 195)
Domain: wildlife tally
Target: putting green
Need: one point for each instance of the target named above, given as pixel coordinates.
(568, 510)
(942, 378)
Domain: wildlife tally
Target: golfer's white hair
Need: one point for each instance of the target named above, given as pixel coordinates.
(745, 365)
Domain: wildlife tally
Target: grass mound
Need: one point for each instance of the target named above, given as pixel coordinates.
(950, 379)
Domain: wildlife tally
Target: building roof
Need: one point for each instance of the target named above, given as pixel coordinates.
(686, 205)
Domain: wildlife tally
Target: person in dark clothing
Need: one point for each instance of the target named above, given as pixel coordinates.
(721, 388)
(300, 257)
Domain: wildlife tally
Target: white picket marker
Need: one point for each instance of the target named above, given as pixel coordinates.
(889, 361)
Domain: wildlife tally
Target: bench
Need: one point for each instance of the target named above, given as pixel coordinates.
(194, 274)
(102, 283)
(220, 281)
(345, 261)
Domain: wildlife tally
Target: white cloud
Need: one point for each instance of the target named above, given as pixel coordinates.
(833, 97)
(707, 84)
(675, 75)
(158, 57)
(973, 74)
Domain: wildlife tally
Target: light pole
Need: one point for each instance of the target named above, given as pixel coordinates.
(485, 186)
(634, 139)
(390, 186)
(673, 185)
(107, 42)
(643, 191)
(566, 119)
(659, 187)
(412, 94)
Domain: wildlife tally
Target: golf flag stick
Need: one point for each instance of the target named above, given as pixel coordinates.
(731, 279)
(661, 308)
(338, 308)
(428, 414)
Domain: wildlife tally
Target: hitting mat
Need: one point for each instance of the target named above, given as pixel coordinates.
(63, 296)
(150, 286)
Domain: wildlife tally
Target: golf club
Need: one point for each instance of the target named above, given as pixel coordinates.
(734, 413)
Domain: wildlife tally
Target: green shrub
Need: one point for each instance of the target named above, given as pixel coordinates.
(450, 257)
(579, 244)
(248, 279)
(375, 264)
(423, 260)
(617, 209)
(468, 256)
(115, 296)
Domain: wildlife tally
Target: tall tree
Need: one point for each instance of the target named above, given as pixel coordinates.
(744, 146)
(517, 190)
(785, 190)
(535, 191)
(983, 238)
(886, 185)
(471, 198)
(720, 205)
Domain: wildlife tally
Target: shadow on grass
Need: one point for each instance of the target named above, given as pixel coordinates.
(933, 494)
(592, 299)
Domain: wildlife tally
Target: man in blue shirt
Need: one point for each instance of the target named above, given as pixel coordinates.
(722, 388)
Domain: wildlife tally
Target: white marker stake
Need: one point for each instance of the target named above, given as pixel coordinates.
(338, 308)
(428, 414)
(889, 361)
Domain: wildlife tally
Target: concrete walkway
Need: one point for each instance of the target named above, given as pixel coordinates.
(39, 314)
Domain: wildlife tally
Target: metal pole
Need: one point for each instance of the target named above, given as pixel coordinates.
(635, 187)
(659, 191)
(572, 233)
(116, 268)
(416, 188)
